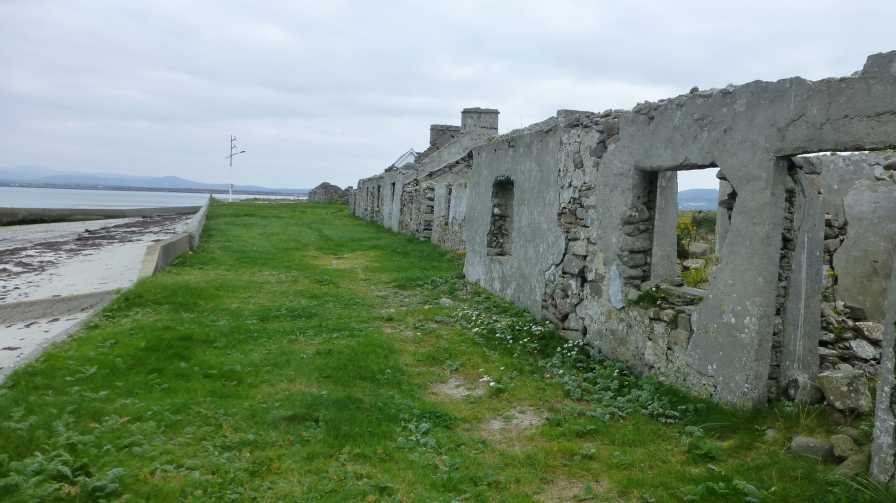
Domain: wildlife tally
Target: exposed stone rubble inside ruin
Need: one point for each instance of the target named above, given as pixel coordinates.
(574, 218)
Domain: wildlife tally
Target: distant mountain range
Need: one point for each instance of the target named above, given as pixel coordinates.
(698, 199)
(46, 177)
(691, 199)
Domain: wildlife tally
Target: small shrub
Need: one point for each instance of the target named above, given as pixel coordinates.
(686, 233)
(704, 449)
(698, 447)
(649, 298)
(704, 222)
(695, 277)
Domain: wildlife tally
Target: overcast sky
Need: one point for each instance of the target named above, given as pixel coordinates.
(336, 90)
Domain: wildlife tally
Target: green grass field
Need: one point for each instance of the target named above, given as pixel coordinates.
(304, 355)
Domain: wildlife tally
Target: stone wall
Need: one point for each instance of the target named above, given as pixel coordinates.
(368, 199)
(587, 239)
(857, 252)
(749, 131)
(586, 137)
(859, 202)
(408, 200)
(530, 158)
(449, 186)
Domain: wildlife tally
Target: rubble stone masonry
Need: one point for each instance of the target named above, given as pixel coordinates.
(572, 218)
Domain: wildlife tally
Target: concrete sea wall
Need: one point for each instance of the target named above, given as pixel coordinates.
(161, 255)
(81, 283)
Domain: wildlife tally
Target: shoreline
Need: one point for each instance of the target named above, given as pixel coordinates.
(122, 188)
(32, 216)
(55, 276)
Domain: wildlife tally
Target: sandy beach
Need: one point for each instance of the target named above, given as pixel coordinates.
(54, 276)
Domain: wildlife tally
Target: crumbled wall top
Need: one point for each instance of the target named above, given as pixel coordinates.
(882, 64)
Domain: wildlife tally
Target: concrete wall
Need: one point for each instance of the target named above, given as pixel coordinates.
(367, 204)
(529, 158)
(883, 447)
(450, 187)
(865, 257)
(860, 197)
(664, 256)
(751, 130)
(593, 240)
(452, 151)
(392, 182)
(442, 134)
(480, 120)
(160, 255)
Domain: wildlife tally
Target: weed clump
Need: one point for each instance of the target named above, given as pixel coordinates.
(57, 470)
(608, 388)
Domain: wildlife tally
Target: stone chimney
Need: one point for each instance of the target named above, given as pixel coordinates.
(479, 120)
(442, 134)
(882, 64)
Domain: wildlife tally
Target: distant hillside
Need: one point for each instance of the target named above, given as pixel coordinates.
(698, 199)
(52, 177)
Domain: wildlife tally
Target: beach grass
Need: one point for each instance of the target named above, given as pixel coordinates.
(302, 354)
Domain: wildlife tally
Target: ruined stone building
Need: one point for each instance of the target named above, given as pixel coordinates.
(574, 219)
(328, 193)
(426, 196)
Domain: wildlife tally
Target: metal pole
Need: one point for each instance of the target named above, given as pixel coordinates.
(230, 158)
(230, 192)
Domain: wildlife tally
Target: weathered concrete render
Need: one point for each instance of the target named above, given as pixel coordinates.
(860, 196)
(883, 446)
(857, 253)
(750, 132)
(530, 158)
(573, 219)
(449, 189)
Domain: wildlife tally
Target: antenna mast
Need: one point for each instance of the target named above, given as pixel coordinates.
(233, 153)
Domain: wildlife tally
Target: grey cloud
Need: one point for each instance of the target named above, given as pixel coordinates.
(335, 90)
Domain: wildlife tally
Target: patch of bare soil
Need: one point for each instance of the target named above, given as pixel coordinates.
(566, 490)
(357, 260)
(395, 329)
(513, 423)
(457, 388)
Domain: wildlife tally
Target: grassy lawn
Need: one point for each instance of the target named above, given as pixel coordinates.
(304, 355)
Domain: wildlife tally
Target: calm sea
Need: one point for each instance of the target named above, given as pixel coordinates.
(19, 197)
